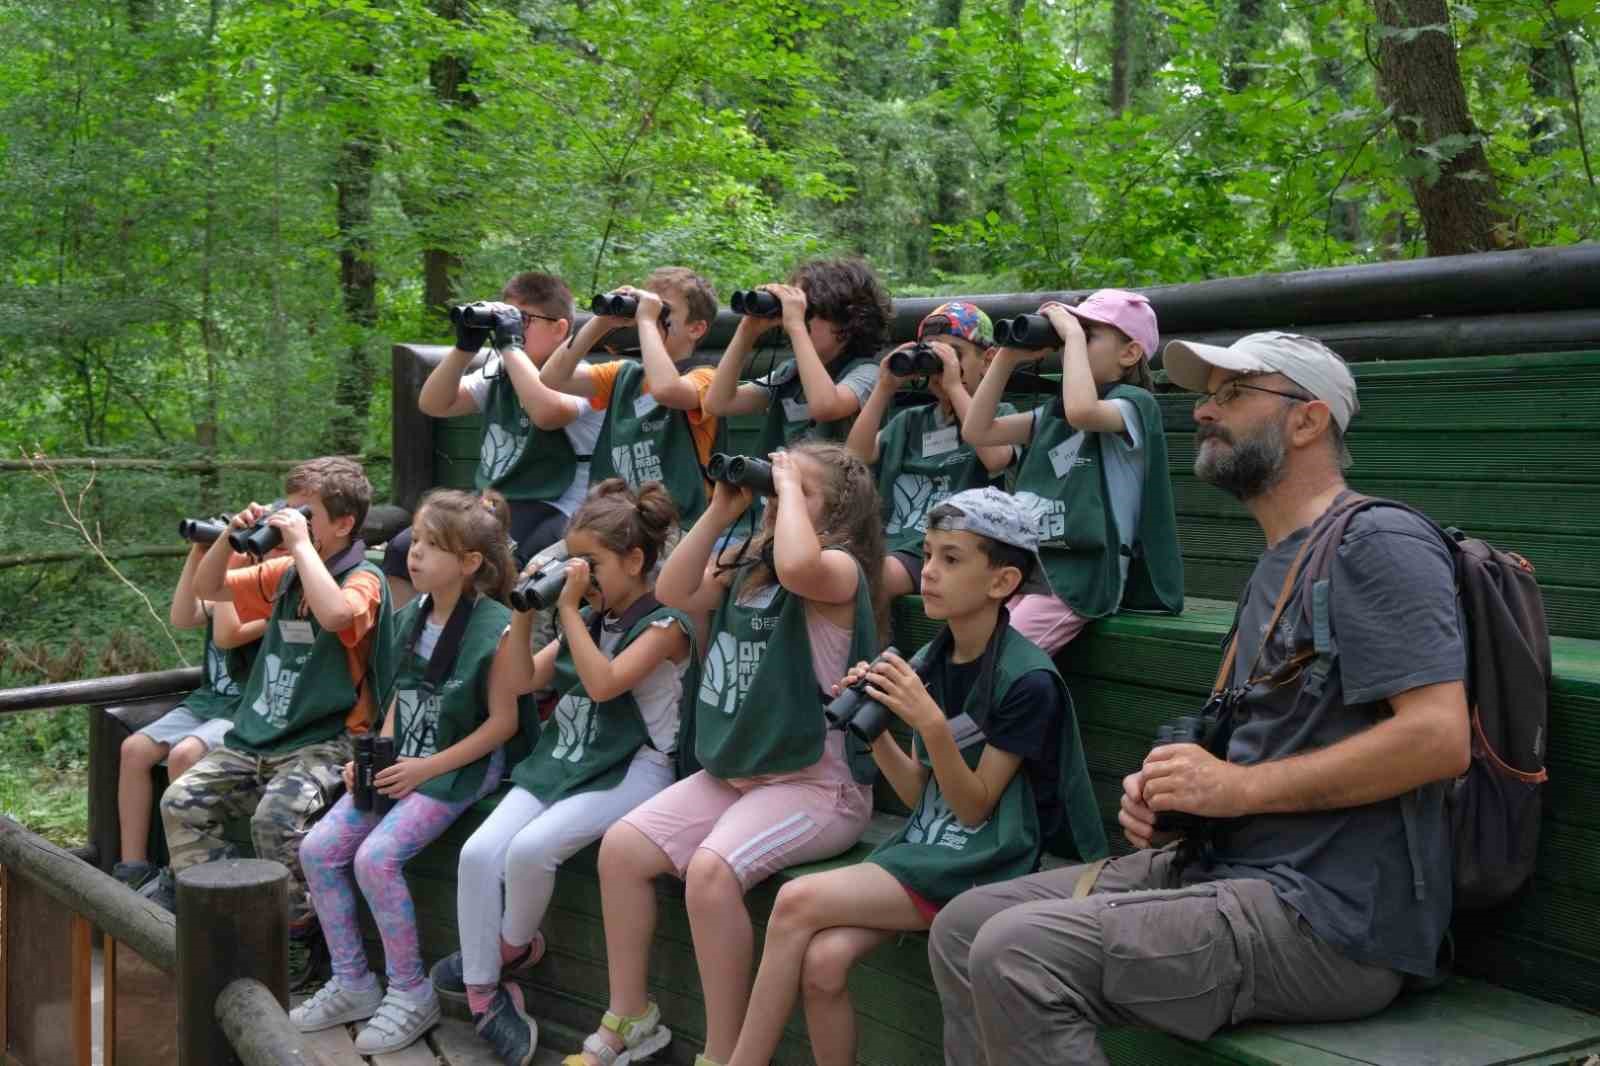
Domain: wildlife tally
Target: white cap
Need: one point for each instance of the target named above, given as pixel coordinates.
(1305, 361)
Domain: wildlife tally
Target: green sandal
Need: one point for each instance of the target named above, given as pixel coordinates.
(642, 1036)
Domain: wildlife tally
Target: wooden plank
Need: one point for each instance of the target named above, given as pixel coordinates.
(140, 1003)
(458, 1045)
(334, 1046)
(418, 1054)
(5, 959)
(41, 1003)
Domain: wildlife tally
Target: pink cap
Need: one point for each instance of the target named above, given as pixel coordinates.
(1128, 311)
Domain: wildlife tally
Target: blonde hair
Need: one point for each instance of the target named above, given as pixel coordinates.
(461, 523)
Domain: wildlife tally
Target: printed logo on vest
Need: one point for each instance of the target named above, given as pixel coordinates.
(575, 727)
(418, 723)
(1051, 515)
(501, 450)
(277, 692)
(217, 672)
(914, 495)
(636, 463)
(935, 824)
(729, 668)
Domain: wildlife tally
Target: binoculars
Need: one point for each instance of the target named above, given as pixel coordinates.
(373, 756)
(473, 316)
(757, 302)
(742, 470)
(541, 589)
(202, 530)
(1190, 729)
(1026, 331)
(920, 359)
(863, 716)
(621, 305)
(261, 538)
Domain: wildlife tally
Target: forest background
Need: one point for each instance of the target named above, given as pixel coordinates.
(217, 215)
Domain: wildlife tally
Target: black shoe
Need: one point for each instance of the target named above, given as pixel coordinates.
(162, 890)
(309, 963)
(134, 874)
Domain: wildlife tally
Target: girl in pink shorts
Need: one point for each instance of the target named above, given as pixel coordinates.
(777, 788)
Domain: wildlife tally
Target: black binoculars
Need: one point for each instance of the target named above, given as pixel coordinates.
(921, 359)
(373, 756)
(1190, 729)
(757, 302)
(202, 530)
(261, 538)
(1026, 331)
(742, 470)
(863, 716)
(473, 316)
(621, 305)
(541, 589)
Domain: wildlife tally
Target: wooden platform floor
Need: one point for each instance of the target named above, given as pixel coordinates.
(450, 1043)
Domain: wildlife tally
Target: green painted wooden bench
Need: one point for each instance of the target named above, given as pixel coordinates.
(1507, 447)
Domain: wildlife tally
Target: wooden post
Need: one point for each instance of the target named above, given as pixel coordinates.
(233, 922)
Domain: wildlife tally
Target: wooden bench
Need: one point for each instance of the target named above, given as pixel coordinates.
(1507, 447)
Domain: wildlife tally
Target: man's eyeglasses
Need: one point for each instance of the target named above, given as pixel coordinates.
(1230, 391)
(529, 316)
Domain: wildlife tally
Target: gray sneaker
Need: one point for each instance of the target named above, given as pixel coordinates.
(162, 890)
(133, 874)
(400, 1022)
(335, 1005)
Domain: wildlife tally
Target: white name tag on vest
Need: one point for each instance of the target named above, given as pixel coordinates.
(644, 405)
(296, 632)
(940, 441)
(1064, 456)
(795, 411)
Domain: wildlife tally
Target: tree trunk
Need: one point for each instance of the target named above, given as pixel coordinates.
(358, 282)
(1455, 189)
(207, 425)
(441, 262)
(947, 162)
(1121, 55)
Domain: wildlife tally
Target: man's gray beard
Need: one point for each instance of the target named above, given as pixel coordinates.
(1247, 468)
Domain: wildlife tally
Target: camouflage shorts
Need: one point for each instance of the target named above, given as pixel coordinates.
(281, 795)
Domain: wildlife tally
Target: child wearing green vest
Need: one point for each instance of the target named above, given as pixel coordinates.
(920, 456)
(995, 770)
(654, 428)
(778, 787)
(837, 315)
(609, 745)
(448, 756)
(325, 667)
(184, 734)
(536, 441)
(1094, 469)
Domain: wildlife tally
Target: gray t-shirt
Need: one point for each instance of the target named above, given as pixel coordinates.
(860, 380)
(1374, 892)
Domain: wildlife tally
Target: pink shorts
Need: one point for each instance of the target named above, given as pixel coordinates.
(1046, 620)
(759, 825)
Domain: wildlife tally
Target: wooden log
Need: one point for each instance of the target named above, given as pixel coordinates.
(257, 1027)
(125, 688)
(80, 887)
(234, 924)
(411, 431)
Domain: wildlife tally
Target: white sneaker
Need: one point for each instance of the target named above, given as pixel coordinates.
(400, 1021)
(335, 1005)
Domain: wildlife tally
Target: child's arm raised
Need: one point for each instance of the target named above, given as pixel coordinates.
(547, 408)
(211, 575)
(863, 439)
(688, 579)
(972, 794)
(667, 385)
(979, 426)
(603, 677)
(994, 457)
(515, 669)
(565, 370)
(1081, 404)
(726, 395)
(228, 632)
(827, 400)
(188, 611)
(443, 395)
(333, 609)
(797, 556)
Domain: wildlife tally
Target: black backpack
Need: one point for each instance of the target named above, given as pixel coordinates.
(1494, 808)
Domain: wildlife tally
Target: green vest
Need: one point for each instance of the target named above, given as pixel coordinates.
(640, 441)
(517, 458)
(762, 714)
(788, 413)
(586, 747)
(218, 694)
(922, 461)
(300, 690)
(934, 853)
(435, 711)
(1064, 474)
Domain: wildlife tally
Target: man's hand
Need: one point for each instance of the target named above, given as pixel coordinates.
(1137, 819)
(1188, 778)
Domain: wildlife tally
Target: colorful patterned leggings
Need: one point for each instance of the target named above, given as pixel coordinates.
(377, 849)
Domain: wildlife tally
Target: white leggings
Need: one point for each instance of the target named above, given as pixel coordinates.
(521, 845)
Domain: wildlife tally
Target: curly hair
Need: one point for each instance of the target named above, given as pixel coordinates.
(847, 293)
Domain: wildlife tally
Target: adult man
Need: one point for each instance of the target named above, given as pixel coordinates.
(1328, 878)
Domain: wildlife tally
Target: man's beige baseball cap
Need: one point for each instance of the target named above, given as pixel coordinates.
(1307, 362)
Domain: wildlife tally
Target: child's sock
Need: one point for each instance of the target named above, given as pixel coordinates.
(479, 997)
(511, 952)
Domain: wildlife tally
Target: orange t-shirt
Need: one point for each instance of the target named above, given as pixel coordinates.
(702, 427)
(253, 588)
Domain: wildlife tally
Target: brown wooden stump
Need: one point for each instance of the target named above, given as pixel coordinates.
(233, 922)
